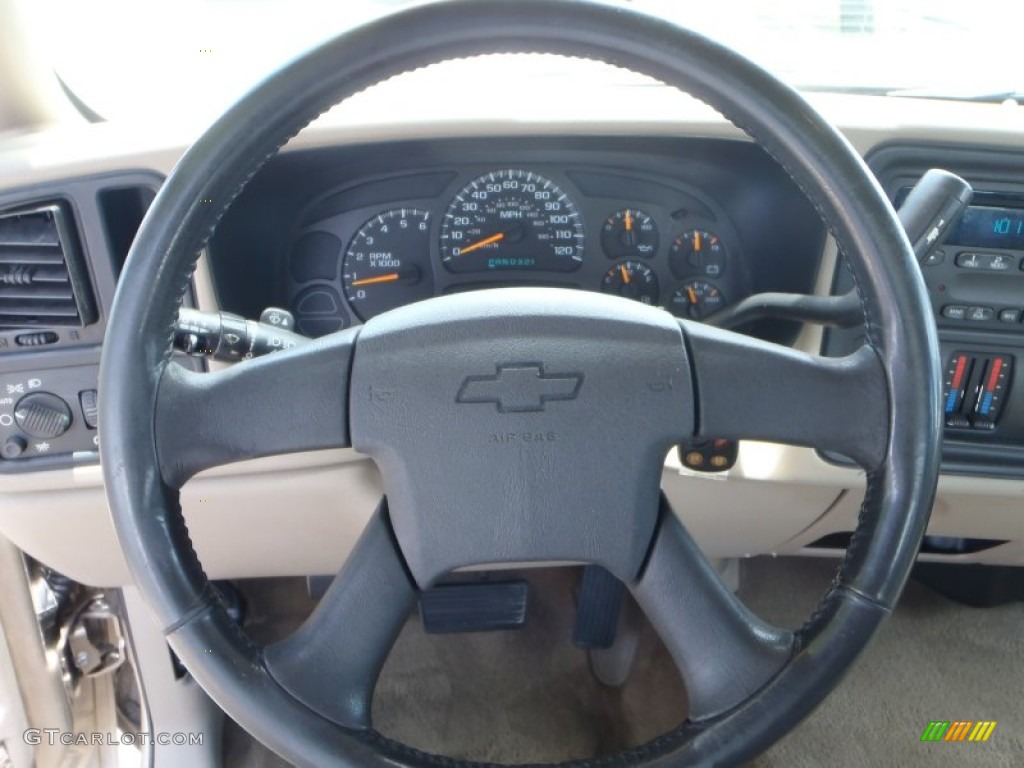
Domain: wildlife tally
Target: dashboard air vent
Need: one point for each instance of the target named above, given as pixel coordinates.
(42, 274)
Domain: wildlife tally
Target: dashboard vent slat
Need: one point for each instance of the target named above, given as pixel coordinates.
(22, 255)
(42, 274)
(45, 313)
(29, 229)
(36, 292)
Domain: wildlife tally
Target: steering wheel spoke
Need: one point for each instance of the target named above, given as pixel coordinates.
(331, 662)
(747, 388)
(294, 400)
(723, 651)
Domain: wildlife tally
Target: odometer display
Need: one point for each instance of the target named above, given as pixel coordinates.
(511, 220)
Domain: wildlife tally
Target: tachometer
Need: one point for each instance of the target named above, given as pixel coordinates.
(511, 220)
(387, 264)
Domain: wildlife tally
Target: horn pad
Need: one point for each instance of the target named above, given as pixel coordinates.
(521, 425)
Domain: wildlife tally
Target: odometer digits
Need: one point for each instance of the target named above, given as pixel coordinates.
(387, 264)
(511, 220)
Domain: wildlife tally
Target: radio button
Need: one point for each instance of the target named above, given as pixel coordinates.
(989, 262)
(955, 312)
(980, 314)
(1009, 315)
(972, 260)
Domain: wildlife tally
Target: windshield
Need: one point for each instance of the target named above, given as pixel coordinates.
(188, 60)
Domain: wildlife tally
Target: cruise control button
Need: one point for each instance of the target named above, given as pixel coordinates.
(954, 312)
(1009, 315)
(980, 314)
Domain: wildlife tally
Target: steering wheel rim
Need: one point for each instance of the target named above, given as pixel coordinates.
(145, 402)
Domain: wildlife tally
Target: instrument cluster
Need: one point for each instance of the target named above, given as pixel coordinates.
(651, 240)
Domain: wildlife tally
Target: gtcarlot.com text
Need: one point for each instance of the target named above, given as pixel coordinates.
(54, 736)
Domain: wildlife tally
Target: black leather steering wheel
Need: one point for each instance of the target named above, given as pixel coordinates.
(425, 389)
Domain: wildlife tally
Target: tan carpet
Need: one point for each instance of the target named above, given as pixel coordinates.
(933, 660)
(523, 696)
(527, 696)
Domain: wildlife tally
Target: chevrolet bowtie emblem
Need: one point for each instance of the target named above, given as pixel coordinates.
(520, 388)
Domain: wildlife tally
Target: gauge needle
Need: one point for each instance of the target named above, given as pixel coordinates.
(696, 241)
(629, 221)
(692, 294)
(481, 243)
(625, 274)
(388, 278)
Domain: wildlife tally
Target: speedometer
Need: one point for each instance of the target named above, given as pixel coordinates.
(511, 220)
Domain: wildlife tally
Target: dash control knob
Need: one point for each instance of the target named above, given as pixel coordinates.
(13, 447)
(42, 415)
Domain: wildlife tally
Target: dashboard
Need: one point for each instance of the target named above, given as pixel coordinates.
(298, 237)
(671, 224)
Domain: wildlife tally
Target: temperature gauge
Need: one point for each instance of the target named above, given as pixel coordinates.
(697, 252)
(632, 280)
(629, 232)
(697, 299)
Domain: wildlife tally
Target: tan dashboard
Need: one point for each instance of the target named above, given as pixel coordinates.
(301, 514)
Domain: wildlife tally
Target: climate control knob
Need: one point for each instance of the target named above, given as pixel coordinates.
(42, 415)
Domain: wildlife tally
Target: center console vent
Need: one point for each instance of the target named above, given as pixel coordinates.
(43, 281)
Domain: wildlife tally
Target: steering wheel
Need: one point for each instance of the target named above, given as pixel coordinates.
(493, 416)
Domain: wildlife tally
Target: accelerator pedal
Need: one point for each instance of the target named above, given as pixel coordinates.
(598, 608)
